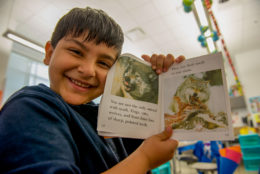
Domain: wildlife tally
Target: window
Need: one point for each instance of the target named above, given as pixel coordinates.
(38, 74)
(23, 71)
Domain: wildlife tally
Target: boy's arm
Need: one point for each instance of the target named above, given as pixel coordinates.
(153, 152)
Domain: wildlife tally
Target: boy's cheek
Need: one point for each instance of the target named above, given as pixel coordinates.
(105, 76)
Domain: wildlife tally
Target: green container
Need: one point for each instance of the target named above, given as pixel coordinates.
(163, 169)
(251, 163)
(249, 140)
(251, 151)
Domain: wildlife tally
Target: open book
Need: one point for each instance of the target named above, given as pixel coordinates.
(191, 97)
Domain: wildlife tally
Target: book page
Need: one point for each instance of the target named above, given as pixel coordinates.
(195, 99)
(130, 104)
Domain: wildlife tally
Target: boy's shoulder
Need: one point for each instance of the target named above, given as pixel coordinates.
(38, 91)
(43, 95)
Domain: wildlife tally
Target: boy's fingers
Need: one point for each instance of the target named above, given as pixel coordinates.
(159, 63)
(153, 61)
(169, 60)
(166, 134)
(180, 59)
(146, 57)
(174, 144)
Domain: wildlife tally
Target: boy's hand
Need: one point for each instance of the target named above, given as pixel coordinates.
(158, 149)
(153, 152)
(161, 63)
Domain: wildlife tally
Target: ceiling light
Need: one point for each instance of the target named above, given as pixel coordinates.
(24, 41)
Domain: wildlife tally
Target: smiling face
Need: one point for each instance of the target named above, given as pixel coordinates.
(78, 68)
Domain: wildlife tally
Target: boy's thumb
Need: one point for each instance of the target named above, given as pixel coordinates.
(166, 134)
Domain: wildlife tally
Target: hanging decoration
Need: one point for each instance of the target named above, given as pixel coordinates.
(187, 4)
(208, 37)
(208, 34)
(208, 7)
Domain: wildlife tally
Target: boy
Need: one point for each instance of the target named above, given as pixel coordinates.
(53, 130)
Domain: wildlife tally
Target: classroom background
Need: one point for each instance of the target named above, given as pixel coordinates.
(182, 27)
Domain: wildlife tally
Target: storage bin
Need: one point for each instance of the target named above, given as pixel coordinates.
(163, 169)
(236, 148)
(248, 140)
(226, 166)
(251, 151)
(223, 151)
(233, 155)
(252, 163)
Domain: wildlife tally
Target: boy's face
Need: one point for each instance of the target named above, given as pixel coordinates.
(78, 68)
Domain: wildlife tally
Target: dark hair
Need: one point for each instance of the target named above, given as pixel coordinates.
(100, 27)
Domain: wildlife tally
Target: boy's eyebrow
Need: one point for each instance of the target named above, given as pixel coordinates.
(86, 49)
(108, 57)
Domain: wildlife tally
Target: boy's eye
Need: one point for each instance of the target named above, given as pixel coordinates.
(75, 51)
(104, 64)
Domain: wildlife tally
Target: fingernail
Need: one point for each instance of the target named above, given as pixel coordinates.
(158, 71)
(153, 67)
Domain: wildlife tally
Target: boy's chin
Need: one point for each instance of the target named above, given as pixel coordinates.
(78, 101)
(73, 101)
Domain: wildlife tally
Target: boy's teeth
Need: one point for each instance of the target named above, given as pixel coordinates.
(80, 84)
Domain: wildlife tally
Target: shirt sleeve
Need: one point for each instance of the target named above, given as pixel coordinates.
(35, 138)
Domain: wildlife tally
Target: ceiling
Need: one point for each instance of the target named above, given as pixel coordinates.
(167, 28)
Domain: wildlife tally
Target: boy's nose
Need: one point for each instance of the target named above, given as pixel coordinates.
(87, 69)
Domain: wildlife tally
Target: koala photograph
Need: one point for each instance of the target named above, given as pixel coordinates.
(135, 80)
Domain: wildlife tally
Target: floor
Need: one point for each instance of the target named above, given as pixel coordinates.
(183, 168)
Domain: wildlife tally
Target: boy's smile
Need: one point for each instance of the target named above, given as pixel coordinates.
(78, 68)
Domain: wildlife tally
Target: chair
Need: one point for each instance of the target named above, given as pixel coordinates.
(208, 156)
(204, 167)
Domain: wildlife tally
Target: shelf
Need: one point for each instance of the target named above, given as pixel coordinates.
(237, 102)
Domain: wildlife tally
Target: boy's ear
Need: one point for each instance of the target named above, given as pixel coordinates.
(48, 53)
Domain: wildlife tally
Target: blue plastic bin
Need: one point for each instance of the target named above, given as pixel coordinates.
(227, 166)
